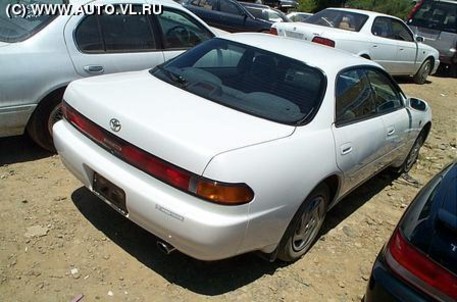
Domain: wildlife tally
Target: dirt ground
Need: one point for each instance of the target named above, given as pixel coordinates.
(60, 243)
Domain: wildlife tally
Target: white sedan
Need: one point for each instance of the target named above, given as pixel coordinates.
(240, 144)
(382, 38)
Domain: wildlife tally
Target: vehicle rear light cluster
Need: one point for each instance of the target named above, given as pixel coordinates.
(323, 41)
(418, 269)
(211, 190)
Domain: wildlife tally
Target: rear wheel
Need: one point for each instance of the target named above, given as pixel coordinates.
(48, 112)
(305, 226)
(424, 71)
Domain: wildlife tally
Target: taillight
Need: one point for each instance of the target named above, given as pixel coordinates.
(273, 31)
(418, 269)
(211, 190)
(323, 41)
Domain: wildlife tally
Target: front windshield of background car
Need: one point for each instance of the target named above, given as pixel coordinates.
(436, 15)
(17, 28)
(248, 79)
(338, 19)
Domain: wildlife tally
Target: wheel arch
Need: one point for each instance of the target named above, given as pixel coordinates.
(55, 91)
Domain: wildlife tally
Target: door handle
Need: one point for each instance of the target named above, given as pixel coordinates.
(390, 131)
(94, 69)
(346, 149)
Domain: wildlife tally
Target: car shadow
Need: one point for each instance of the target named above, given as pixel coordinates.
(207, 278)
(20, 149)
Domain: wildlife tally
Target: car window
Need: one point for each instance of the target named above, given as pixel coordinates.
(228, 7)
(244, 78)
(205, 4)
(180, 30)
(401, 31)
(353, 97)
(338, 19)
(88, 37)
(364, 93)
(115, 33)
(382, 27)
(436, 15)
(17, 28)
(386, 96)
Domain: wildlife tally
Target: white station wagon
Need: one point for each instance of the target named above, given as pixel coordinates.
(382, 38)
(240, 144)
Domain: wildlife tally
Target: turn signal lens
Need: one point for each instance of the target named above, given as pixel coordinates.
(223, 193)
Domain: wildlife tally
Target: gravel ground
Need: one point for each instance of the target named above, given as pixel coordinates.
(60, 243)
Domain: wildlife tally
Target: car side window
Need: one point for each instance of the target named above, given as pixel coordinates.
(88, 36)
(181, 30)
(125, 32)
(382, 27)
(205, 4)
(386, 96)
(353, 97)
(401, 32)
(120, 32)
(228, 8)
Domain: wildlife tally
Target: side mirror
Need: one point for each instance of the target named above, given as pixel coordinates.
(417, 104)
(419, 39)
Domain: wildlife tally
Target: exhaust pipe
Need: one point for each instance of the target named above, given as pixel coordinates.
(165, 247)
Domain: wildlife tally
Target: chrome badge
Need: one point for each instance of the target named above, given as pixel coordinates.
(115, 125)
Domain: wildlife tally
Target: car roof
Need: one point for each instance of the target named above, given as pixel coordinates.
(323, 57)
(369, 13)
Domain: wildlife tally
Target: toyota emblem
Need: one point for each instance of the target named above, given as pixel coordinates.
(115, 125)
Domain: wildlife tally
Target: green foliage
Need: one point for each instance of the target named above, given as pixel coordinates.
(399, 8)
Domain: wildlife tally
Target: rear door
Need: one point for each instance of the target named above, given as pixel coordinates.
(100, 44)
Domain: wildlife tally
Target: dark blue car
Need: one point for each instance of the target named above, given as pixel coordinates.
(419, 263)
(228, 15)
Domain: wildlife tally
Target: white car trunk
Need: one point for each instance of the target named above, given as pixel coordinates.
(182, 128)
(300, 32)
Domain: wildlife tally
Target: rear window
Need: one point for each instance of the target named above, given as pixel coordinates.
(338, 19)
(17, 28)
(248, 79)
(436, 15)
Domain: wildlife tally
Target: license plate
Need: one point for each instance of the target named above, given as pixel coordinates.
(109, 192)
(295, 35)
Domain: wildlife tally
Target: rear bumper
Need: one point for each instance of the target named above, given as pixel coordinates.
(197, 228)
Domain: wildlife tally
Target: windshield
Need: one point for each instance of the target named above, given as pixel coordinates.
(248, 79)
(436, 15)
(338, 19)
(17, 28)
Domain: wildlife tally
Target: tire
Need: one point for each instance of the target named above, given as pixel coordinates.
(424, 71)
(47, 113)
(305, 226)
(413, 154)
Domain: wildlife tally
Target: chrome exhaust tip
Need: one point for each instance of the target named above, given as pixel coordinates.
(165, 247)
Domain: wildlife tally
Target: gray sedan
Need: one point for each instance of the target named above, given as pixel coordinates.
(41, 54)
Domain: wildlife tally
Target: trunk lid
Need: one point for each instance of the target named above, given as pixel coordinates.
(299, 30)
(173, 124)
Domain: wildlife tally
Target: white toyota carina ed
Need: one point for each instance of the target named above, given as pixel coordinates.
(240, 144)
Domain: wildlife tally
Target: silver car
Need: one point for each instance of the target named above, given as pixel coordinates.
(40, 55)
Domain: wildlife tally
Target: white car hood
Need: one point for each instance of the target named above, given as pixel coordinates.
(171, 123)
(2, 44)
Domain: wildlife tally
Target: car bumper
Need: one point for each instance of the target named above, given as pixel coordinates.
(384, 286)
(198, 228)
